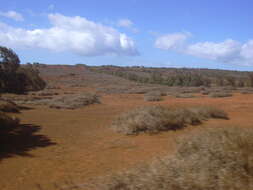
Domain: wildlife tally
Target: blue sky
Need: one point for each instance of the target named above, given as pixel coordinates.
(158, 33)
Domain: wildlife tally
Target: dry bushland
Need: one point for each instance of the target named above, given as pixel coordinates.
(153, 119)
(218, 158)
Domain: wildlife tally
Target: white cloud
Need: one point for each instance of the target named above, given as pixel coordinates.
(126, 23)
(12, 15)
(228, 51)
(173, 41)
(247, 50)
(75, 34)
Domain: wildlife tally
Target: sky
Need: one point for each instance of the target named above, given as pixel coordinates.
(215, 34)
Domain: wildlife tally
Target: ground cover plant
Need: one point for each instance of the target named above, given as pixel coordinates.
(8, 106)
(218, 158)
(153, 96)
(153, 119)
(184, 96)
(220, 94)
(73, 101)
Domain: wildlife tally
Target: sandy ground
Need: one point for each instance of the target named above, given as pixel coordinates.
(76, 145)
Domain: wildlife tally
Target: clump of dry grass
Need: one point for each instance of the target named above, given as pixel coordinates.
(74, 101)
(7, 121)
(220, 94)
(247, 91)
(206, 112)
(218, 158)
(45, 93)
(184, 96)
(153, 96)
(205, 92)
(153, 119)
(8, 106)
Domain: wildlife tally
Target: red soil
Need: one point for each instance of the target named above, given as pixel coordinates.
(86, 147)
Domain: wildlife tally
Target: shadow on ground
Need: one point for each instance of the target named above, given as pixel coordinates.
(19, 139)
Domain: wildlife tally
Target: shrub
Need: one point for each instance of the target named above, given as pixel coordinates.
(15, 78)
(8, 106)
(6, 122)
(30, 78)
(207, 112)
(73, 101)
(247, 91)
(153, 119)
(153, 96)
(220, 94)
(184, 96)
(46, 93)
(213, 159)
(205, 92)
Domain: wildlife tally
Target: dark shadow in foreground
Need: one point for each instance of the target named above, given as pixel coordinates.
(19, 139)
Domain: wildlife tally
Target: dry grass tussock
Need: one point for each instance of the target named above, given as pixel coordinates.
(218, 158)
(153, 96)
(73, 101)
(153, 119)
(8, 106)
(184, 96)
(220, 94)
(7, 121)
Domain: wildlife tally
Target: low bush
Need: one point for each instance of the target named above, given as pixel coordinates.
(205, 92)
(153, 96)
(153, 119)
(6, 122)
(73, 101)
(207, 112)
(46, 93)
(218, 158)
(247, 91)
(184, 96)
(8, 106)
(220, 94)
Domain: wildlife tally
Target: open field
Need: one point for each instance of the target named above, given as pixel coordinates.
(78, 145)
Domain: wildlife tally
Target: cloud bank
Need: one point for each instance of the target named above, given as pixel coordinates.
(126, 23)
(75, 34)
(12, 15)
(228, 51)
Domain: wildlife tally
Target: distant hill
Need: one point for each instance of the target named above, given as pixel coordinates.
(108, 78)
(179, 76)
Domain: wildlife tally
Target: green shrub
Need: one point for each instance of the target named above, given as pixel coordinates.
(218, 158)
(15, 78)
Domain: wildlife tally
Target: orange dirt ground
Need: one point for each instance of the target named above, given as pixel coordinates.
(85, 147)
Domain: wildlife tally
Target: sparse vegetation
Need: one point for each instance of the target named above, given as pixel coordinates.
(179, 77)
(153, 96)
(184, 96)
(153, 119)
(8, 106)
(216, 158)
(220, 94)
(7, 122)
(73, 101)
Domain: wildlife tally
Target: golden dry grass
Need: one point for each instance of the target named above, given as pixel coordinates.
(213, 159)
(153, 119)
